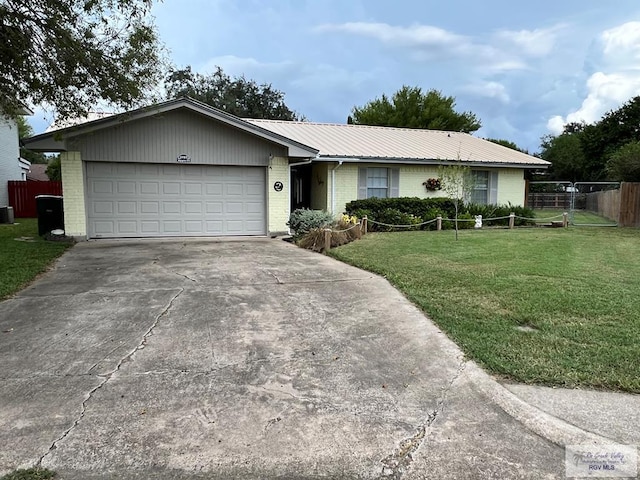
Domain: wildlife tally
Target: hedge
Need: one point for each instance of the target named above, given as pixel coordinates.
(414, 210)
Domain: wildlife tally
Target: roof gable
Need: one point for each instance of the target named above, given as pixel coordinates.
(55, 141)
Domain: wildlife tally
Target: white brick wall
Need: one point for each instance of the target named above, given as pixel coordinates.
(73, 191)
(278, 213)
(9, 155)
(511, 183)
(511, 186)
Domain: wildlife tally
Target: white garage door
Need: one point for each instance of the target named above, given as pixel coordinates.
(159, 200)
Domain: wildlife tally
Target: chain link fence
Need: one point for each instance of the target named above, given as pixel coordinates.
(588, 203)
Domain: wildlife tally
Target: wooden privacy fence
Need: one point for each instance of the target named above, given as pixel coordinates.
(629, 205)
(622, 205)
(22, 195)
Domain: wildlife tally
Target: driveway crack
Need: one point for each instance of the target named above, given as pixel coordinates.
(105, 377)
(398, 462)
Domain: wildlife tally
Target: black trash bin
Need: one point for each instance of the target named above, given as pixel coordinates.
(50, 213)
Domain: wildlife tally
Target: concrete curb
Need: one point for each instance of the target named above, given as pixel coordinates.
(547, 426)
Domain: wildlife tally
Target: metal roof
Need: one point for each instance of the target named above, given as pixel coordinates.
(365, 142)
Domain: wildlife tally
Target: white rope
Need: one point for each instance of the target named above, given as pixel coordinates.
(346, 229)
(541, 219)
(461, 220)
(402, 226)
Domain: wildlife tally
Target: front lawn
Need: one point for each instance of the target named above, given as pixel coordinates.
(546, 306)
(24, 255)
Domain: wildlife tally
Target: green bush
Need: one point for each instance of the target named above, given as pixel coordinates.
(392, 216)
(412, 205)
(413, 210)
(303, 220)
(496, 211)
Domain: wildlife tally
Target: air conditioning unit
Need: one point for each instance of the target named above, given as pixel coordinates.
(6, 215)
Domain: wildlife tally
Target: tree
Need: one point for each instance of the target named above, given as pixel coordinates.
(457, 182)
(409, 107)
(54, 169)
(507, 143)
(624, 164)
(567, 158)
(71, 54)
(238, 96)
(584, 152)
(25, 130)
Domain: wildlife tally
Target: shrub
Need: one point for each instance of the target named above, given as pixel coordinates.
(303, 220)
(342, 232)
(413, 205)
(413, 210)
(494, 211)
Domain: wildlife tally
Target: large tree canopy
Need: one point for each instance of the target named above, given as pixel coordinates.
(594, 152)
(238, 96)
(71, 54)
(409, 107)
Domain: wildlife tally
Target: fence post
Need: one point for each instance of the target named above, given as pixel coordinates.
(364, 225)
(438, 222)
(327, 239)
(512, 220)
(565, 219)
(359, 231)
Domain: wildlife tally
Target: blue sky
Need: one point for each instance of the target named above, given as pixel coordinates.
(524, 68)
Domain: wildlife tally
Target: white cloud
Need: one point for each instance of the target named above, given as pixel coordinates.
(535, 43)
(234, 66)
(425, 42)
(493, 90)
(416, 35)
(625, 37)
(615, 80)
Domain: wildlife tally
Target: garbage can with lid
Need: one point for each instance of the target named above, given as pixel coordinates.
(6, 215)
(50, 213)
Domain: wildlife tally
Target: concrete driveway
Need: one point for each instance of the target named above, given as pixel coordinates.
(240, 359)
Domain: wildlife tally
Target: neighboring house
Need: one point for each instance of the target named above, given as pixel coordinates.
(38, 173)
(183, 168)
(12, 167)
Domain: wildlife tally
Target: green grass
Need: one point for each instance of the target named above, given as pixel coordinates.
(577, 289)
(21, 261)
(29, 474)
(577, 217)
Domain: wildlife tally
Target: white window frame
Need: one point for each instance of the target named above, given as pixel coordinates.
(377, 187)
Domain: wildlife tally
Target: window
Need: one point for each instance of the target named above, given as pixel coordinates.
(377, 182)
(480, 192)
(485, 187)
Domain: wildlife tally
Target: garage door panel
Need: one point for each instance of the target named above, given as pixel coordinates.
(150, 227)
(149, 188)
(171, 207)
(191, 208)
(171, 188)
(193, 189)
(104, 227)
(103, 207)
(127, 227)
(234, 189)
(127, 207)
(149, 207)
(124, 188)
(215, 207)
(102, 187)
(146, 200)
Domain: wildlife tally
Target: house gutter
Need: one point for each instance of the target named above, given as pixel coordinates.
(333, 186)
